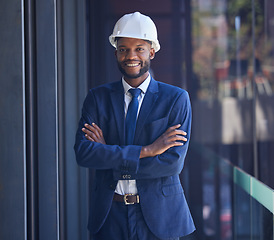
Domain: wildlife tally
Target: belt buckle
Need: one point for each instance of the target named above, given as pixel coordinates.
(126, 199)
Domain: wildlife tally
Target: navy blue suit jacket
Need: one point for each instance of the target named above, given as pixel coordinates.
(161, 195)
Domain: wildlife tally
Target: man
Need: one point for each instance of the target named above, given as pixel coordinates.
(133, 133)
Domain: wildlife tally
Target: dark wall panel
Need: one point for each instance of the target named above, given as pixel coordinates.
(12, 154)
(47, 120)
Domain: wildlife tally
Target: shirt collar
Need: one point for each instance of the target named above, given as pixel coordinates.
(143, 86)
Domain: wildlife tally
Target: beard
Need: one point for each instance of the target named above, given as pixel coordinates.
(144, 68)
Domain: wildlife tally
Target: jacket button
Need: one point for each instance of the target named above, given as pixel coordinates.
(126, 176)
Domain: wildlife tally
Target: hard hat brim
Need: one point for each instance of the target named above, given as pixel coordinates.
(113, 42)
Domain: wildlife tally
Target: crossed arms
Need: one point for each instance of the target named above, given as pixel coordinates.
(158, 158)
(170, 138)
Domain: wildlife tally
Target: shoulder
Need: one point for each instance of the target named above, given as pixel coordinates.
(105, 90)
(170, 90)
(113, 86)
(169, 87)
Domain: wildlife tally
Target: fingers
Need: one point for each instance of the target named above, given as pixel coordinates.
(170, 130)
(94, 129)
(174, 134)
(175, 138)
(89, 134)
(89, 138)
(170, 138)
(93, 133)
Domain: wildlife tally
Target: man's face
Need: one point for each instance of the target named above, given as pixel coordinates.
(133, 57)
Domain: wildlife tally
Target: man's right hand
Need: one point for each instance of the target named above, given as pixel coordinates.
(170, 138)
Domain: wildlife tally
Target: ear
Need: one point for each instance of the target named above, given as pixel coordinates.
(152, 53)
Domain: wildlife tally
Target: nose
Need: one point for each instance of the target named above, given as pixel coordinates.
(131, 54)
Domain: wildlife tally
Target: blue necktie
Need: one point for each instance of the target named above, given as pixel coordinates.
(132, 115)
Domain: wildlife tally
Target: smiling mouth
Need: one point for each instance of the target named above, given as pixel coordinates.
(132, 64)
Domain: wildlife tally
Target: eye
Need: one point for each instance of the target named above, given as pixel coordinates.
(140, 49)
(122, 50)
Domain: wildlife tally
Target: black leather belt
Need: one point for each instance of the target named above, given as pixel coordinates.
(128, 199)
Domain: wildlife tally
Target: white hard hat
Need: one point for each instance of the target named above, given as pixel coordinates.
(135, 25)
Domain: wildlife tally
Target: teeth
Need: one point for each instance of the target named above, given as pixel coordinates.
(133, 64)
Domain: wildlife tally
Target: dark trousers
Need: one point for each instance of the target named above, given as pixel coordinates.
(127, 223)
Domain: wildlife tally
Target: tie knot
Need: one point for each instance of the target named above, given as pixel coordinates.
(135, 92)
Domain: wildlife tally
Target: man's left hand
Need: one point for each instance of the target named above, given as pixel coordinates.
(93, 133)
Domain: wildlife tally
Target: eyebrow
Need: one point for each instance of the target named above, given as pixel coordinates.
(139, 45)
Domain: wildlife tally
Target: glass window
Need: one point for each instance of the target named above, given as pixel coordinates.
(233, 113)
(264, 81)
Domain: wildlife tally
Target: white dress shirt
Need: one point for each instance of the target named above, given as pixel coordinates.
(129, 186)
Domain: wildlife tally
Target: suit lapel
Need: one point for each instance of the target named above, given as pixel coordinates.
(117, 101)
(147, 105)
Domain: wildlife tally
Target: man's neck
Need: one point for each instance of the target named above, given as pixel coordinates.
(135, 82)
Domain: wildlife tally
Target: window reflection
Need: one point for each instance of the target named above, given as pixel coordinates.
(233, 113)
